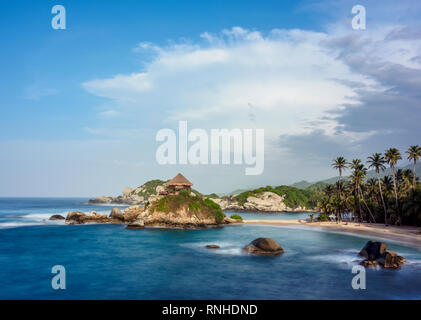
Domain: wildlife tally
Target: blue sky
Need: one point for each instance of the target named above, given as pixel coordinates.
(74, 121)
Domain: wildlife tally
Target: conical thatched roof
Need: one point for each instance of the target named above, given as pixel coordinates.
(179, 180)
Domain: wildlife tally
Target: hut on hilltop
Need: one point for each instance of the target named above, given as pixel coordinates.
(177, 184)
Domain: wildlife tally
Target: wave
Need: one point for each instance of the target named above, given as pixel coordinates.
(16, 224)
(34, 219)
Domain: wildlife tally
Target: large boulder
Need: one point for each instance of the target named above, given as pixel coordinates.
(75, 217)
(373, 250)
(137, 224)
(132, 213)
(391, 260)
(57, 217)
(376, 254)
(116, 214)
(264, 246)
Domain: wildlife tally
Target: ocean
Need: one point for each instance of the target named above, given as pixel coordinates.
(110, 262)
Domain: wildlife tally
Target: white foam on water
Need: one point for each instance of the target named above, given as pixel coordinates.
(226, 247)
(344, 259)
(15, 224)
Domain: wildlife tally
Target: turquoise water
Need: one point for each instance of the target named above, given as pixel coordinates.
(110, 262)
(271, 215)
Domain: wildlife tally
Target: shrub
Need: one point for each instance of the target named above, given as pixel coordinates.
(323, 217)
(236, 217)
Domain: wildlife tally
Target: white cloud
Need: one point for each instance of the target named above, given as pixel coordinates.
(326, 87)
(287, 76)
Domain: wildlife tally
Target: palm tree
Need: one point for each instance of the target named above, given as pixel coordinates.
(377, 162)
(358, 176)
(414, 154)
(340, 164)
(392, 156)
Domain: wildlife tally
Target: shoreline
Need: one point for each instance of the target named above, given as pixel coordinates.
(405, 234)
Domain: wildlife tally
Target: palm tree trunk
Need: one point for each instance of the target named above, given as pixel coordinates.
(371, 214)
(396, 194)
(414, 184)
(381, 196)
(359, 202)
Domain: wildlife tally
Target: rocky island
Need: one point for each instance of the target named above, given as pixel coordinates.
(174, 206)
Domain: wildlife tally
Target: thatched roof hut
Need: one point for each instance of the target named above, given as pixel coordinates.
(179, 181)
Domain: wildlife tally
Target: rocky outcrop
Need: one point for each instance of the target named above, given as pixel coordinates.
(132, 213)
(130, 199)
(376, 253)
(265, 202)
(137, 224)
(56, 217)
(116, 214)
(263, 246)
(139, 195)
(184, 210)
(77, 217)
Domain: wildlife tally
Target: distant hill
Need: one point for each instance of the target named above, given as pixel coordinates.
(370, 174)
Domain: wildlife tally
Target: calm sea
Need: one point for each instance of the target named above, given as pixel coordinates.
(110, 262)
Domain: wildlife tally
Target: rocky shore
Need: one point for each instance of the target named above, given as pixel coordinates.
(173, 211)
(264, 202)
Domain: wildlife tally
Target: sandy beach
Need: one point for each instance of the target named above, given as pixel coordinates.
(405, 234)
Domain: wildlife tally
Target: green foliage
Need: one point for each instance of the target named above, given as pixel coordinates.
(195, 204)
(323, 217)
(213, 196)
(149, 188)
(236, 217)
(215, 208)
(293, 197)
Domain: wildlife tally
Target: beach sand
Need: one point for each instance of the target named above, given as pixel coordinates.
(405, 234)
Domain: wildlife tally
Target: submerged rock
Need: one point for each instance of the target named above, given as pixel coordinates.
(56, 217)
(212, 246)
(264, 246)
(376, 253)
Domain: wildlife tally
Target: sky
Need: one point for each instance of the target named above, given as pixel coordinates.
(80, 108)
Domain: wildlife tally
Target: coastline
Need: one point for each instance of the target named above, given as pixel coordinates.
(405, 234)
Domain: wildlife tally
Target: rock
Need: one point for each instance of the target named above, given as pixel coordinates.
(101, 199)
(137, 224)
(376, 254)
(131, 213)
(127, 191)
(116, 214)
(57, 217)
(391, 260)
(75, 217)
(373, 250)
(263, 246)
(212, 246)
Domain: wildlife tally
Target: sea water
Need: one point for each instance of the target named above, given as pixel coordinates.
(110, 262)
